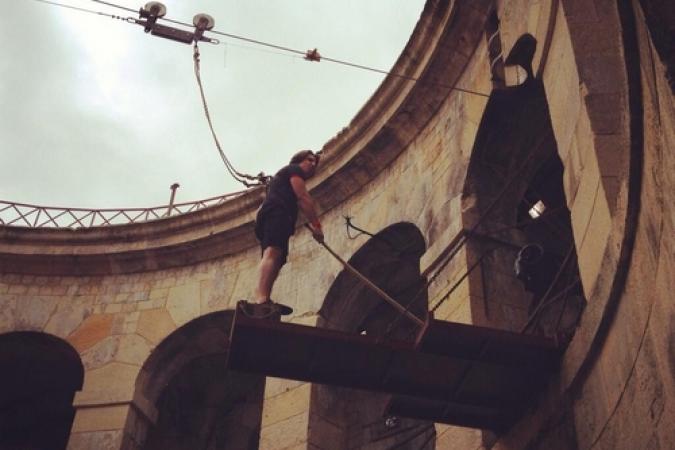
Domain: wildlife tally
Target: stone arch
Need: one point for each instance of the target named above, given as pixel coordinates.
(354, 418)
(514, 195)
(190, 399)
(394, 250)
(39, 377)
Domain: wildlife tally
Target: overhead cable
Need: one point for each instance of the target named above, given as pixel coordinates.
(310, 55)
(135, 11)
(77, 8)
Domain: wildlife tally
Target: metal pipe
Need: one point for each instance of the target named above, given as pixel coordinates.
(372, 286)
(173, 196)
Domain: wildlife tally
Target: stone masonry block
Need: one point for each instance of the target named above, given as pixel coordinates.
(285, 434)
(158, 293)
(562, 86)
(101, 353)
(7, 312)
(99, 440)
(102, 418)
(611, 189)
(18, 289)
(590, 411)
(69, 315)
(184, 302)
(461, 313)
(155, 325)
(94, 329)
(216, 294)
(286, 405)
(32, 313)
(112, 383)
(592, 249)
(612, 154)
(572, 173)
(325, 434)
(580, 12)
(598, 39)
(276, 386)
(308, 318)
(449, 438)
(602, 73)
(125, 321)
(606, 113)
(584, 202)
(132, 349)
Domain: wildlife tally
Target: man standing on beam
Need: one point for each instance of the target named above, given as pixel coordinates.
(275, 222)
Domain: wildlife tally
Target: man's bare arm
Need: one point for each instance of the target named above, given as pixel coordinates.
(306, 204)
(305, 201)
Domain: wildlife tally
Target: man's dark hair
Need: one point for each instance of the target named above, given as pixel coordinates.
(302, 154)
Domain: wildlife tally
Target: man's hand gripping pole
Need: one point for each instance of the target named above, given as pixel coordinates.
(369, 283)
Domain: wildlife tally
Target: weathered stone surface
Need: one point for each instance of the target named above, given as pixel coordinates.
(325, 434)
(101, 418)
(99, 440)
(94, 329)
(216, 293)
(450, 438)
(111, 383)
(101, 353)
(7, 312)
(276, 386)
(132, 349)
(591, 251)
(127, 322)
(183, 302)
(69, 314)
(32, 313)
(286, 405)
(155, 325)
(286, 433)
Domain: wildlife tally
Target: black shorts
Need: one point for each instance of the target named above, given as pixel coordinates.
(273, 228)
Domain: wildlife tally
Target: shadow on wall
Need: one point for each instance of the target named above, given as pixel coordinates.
(514, 192)
(38, 380)
(355, 418)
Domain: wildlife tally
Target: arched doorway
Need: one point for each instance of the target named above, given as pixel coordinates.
(354, 419)
(199, 403)
(39, 377)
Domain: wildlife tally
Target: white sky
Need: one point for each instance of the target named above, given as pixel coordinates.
(95, 113)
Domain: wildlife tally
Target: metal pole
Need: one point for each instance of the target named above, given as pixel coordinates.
(373, 287)
(173, 196)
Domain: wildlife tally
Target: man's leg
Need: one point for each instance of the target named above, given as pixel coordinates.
(268, 271)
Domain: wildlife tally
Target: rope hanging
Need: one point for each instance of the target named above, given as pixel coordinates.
(247, 180)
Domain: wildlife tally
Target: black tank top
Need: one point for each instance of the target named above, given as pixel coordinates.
(280, 193)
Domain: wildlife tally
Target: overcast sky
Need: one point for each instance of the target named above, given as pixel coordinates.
(96, 113)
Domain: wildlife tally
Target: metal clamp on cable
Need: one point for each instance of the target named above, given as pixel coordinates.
(156, 10)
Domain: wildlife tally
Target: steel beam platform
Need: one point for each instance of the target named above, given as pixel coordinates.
(454, 373)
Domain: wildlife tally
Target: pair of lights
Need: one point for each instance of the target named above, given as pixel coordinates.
(537, 210)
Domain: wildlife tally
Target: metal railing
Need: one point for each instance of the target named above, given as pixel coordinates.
(32, 216)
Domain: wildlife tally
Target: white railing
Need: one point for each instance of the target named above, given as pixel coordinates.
(32, 216)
